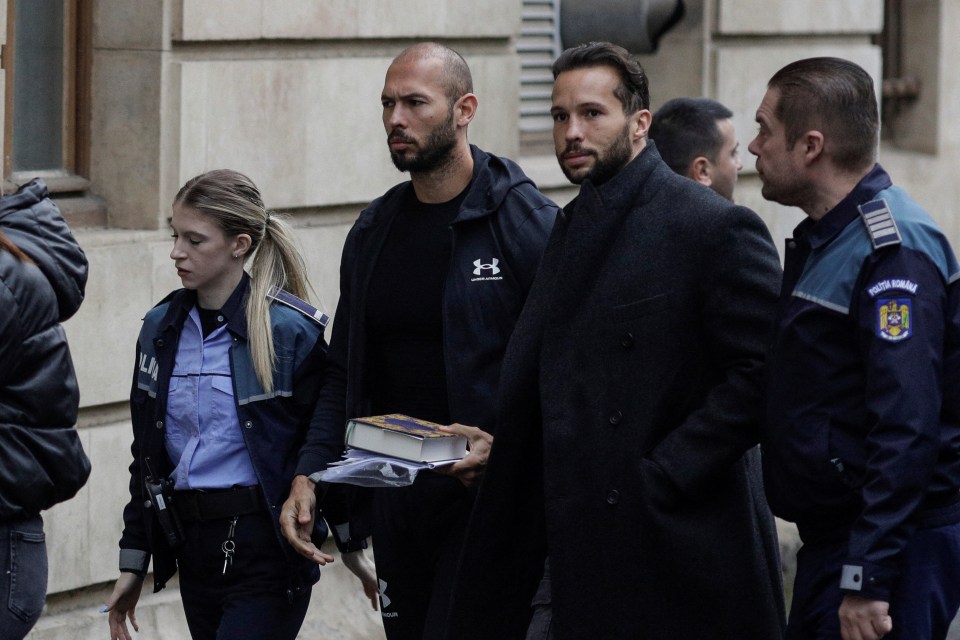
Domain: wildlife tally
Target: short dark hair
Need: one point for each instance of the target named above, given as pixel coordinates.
(633, 91)
(457, 79)
(837, 98)
(686, 128)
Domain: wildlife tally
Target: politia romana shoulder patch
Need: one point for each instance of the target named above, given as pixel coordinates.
(893, 319)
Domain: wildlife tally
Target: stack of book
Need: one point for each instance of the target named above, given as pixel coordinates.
(389, 451)
(403, 437)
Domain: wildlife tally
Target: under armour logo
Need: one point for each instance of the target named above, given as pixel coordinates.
(494, 269)
(384, 598)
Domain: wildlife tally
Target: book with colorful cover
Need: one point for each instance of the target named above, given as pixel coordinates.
(404, 437)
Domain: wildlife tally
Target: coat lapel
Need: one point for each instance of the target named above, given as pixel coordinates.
(595, 222)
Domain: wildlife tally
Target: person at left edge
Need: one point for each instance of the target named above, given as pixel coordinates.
(225, 382)
(43, 273)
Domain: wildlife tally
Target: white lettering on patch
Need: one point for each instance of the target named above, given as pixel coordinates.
(901, 284)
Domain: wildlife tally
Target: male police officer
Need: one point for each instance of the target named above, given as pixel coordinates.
(863, 420)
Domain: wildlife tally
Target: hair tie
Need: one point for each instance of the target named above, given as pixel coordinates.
(266, 223)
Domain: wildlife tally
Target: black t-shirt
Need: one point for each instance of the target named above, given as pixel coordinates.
(210, 319)
(404, 312)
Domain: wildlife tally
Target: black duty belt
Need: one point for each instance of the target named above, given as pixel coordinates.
(201, 505)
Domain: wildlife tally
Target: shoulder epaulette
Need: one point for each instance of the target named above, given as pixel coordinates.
(304, 307)
(881, 227)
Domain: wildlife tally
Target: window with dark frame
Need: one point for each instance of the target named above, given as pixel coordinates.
(910, 47)
(897, 88)
(46, 62)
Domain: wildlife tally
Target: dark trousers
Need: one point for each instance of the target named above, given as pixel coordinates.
(252, 601)
(924, 604)
(417, 537)
(23, 576)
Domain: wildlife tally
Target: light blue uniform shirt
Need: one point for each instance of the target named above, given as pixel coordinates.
(203, 435)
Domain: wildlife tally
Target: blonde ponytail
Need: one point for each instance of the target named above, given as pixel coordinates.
(234, 202)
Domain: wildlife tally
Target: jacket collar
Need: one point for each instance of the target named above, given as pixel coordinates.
(182, 301)
(493, 178)
(819, 232)
(629, 188)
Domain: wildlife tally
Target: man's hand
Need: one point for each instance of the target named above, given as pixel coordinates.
(123, 604)
(473, 464)
(296, 519)
(862, 619)
(363, 569)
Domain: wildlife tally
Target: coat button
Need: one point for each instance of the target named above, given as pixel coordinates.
(159, 424)
(248, 424)
(791, 244)
(626, 340)
(615, 418)
(613, 497)
(159, 342)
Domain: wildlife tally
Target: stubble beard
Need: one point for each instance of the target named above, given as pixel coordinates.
(607, 163)
(434, 153)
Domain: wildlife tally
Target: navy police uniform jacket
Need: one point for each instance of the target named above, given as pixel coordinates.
(273, 423)
(863, 426)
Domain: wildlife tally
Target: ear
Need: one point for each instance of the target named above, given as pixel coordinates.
(640, 125)
(812, 143)
(464, 109)
(699, 170)
(241, 245)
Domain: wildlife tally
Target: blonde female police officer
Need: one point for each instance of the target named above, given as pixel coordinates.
(226, 379)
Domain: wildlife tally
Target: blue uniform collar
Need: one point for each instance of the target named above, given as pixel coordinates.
(182, 300)
(820, 232)
(233, 309)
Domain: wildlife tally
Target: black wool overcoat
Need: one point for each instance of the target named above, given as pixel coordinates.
(629, 416)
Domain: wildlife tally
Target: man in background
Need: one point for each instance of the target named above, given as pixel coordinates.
(697, 139)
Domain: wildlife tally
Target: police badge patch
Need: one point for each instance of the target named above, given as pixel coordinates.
(893, 319)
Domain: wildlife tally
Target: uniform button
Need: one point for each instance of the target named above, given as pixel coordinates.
(615, 417)
(159, 424)
(248, 424)
(613, 497)
(626, 340)
(159, 342)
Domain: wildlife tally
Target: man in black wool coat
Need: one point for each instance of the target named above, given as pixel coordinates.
(630, 394)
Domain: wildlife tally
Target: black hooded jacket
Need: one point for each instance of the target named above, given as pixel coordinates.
(41, 459)
(496, 240)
